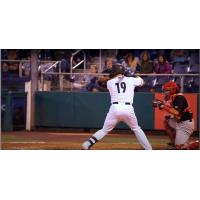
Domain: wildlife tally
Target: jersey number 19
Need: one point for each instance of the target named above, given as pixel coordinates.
(121, 85)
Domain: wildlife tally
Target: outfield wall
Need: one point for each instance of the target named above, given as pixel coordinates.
(88, 110)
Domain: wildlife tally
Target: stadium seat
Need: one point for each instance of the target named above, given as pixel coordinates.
(179, 59)
(191, 84)
(180, 68)
(194, 68)
(149, 80)
(162, 79)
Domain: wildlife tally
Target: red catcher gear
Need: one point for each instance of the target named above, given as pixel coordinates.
(194, 145)
(191, 146)
(171, 86)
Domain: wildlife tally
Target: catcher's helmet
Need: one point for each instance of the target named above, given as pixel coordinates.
(117, 69)
(171, 86)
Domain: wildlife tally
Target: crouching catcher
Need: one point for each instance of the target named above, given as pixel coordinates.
(179, 124)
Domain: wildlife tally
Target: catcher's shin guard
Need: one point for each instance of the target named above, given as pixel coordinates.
(170, 132)
(89, 143)
(194, 145)
(181, 147)
(191, 146)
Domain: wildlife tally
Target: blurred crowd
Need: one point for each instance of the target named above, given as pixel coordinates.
(16, 63)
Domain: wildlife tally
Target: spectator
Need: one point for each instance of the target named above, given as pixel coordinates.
(131, 64)
(13, 66)
(26, 67)
(128, 60)
(108, 64)
(136, 63)
(5, 69)
(64, 58)
(179, 55)
(162, 66)
(45, 66)
(128, 63)
(146, 66)
(89, 82)
(102, 81)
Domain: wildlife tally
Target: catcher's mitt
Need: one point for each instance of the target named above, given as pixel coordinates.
(158, 104)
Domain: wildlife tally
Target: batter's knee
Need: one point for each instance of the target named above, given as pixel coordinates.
(135, 129)
(100, 134)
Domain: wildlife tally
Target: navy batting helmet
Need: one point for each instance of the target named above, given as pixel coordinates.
(117, 69)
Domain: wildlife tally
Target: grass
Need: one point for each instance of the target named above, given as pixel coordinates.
(16, 138)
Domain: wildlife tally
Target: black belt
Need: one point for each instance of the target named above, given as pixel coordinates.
(127, 103)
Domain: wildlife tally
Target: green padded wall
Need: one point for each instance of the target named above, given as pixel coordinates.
(144, 110)
(54, 109)
(86, 110)
(198, 113)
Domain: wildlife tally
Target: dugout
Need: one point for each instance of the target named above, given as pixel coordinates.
(13, 111)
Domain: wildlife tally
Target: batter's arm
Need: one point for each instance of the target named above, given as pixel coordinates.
(139, 81)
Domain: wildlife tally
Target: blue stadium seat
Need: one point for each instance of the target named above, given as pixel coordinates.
(195, 68)
(162, 79)
(191, 84)
(180, 68)
(149, 80)
(196, 80)
(179, 59)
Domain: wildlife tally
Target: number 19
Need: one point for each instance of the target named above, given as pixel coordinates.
(121, 85)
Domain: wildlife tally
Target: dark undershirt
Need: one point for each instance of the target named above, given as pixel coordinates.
(180, 104)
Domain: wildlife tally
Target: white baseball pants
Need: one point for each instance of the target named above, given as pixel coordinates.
(123, 113)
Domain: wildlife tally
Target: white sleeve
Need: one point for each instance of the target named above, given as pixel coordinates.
(138, 81)
(108, 85)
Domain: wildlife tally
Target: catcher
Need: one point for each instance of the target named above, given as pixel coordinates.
(179, 124)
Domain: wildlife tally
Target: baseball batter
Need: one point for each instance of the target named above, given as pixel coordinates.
(121, 90)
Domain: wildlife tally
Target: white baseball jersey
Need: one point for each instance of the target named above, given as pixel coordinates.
(121, 88)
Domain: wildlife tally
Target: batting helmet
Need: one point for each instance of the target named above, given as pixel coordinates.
(117, 69)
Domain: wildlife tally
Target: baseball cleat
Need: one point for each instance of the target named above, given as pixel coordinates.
(170, 146)
(86, 145)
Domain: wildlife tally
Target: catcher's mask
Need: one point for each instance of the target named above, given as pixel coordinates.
(170, 88)
(117, 69)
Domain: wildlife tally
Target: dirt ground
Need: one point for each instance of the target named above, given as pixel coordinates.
(55, 140)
